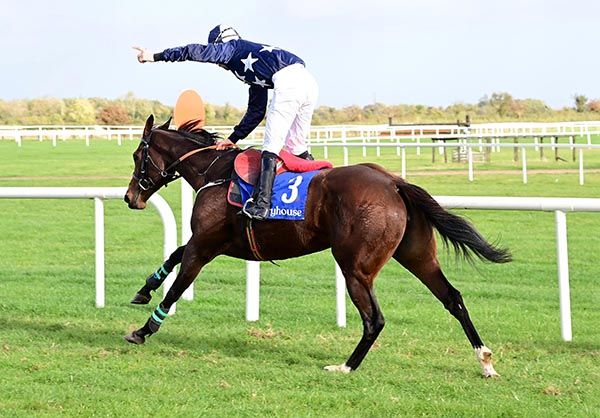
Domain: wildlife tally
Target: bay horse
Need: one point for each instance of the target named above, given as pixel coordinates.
(365, 214)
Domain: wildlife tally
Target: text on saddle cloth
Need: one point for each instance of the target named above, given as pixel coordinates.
(288, 201)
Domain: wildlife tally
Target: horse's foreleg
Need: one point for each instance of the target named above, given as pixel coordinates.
(156, 279)
(191, 266)
(432, 276)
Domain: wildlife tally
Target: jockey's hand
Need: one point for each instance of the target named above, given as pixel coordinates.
(225, 144)
(143, 55)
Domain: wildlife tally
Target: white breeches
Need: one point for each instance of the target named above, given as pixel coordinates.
(289, 114)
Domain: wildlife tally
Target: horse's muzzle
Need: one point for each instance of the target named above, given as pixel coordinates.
(134, 203)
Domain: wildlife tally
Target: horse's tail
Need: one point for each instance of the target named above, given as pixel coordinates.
(458, 231)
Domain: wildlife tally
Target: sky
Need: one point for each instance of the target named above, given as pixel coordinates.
(429, 52)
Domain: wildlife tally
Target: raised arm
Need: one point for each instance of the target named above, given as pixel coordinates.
(257, 107)
(213, 53)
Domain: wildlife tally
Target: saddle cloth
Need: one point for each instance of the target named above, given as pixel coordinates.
(290, 188)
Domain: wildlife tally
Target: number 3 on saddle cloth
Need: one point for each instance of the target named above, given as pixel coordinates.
(290, 188)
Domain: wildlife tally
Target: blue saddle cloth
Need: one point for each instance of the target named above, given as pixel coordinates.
(289, 194)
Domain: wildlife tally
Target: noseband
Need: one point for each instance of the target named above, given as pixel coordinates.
(144, 180)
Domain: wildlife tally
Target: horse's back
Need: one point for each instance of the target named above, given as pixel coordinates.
(359, 201)
(362, 183)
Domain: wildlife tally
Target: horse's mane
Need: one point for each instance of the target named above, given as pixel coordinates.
(190, 131)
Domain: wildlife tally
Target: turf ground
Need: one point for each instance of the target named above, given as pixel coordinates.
(59, 355)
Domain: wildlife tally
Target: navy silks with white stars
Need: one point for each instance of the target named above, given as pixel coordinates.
(252, 63)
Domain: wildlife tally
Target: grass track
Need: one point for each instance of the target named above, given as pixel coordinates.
(61, 356)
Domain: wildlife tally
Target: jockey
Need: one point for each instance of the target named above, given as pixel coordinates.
(263, 67)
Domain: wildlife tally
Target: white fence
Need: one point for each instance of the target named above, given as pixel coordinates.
(326, 134)
(402, 138)
(99, 194)
(402, 147)
(557, 205)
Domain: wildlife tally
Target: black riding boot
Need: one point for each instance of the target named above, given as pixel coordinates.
(306, 156)
(257, 207)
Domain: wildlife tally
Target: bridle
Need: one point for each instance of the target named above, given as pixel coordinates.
(146, 182)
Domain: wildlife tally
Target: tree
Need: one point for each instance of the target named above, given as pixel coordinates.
(79, 112)
(580, 102)
(160, 111)
(594, 106)
(128, 110)
(209, 111)
(534, 107)
(114, 114)
(502, 103)
(44, 111)
(13, 112)
(353, 113)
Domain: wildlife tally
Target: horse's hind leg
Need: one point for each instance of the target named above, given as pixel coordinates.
(156, 279)
(424, 265)
(360, 267)
(363, 297)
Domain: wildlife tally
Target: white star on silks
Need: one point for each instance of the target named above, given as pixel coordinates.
(260, 82)
(267, 48)
(241, 77)
(248, 62)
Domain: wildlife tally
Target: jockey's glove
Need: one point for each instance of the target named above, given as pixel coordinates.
(144, 55)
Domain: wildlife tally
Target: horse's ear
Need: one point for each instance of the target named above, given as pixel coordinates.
(166, 124)
(148, 127)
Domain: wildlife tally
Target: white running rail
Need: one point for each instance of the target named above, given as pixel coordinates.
(99, 194)
(325, 133)
(557, 205)
(548, 204)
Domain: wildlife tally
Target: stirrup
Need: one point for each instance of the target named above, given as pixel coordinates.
(253, 211)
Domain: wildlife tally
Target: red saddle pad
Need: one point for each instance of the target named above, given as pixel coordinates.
(247, 164)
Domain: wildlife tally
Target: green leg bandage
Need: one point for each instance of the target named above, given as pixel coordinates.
(157, 318)
(155, 280)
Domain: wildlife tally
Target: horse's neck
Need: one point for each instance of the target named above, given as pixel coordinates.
(193, 179)
(192, 171)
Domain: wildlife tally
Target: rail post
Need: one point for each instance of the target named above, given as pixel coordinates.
(581, 166)
(524, 164)
(340, 296)
(470, 157)
(252, 290)
(99, 232)
(187, 206)
(562, 257)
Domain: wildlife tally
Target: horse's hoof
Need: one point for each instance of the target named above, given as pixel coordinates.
(140, 299)
(484, 355)
(340, 368)
(491, 374)
(134, 338)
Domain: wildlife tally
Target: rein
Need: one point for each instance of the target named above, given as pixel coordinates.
(145, 182)
(186, 156)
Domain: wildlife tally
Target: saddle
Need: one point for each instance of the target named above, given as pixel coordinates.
(247, 164)
(246, 167)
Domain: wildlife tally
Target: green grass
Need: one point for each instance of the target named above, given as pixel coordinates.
(59, 355)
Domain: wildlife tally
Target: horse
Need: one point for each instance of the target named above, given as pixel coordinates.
(365, 214)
